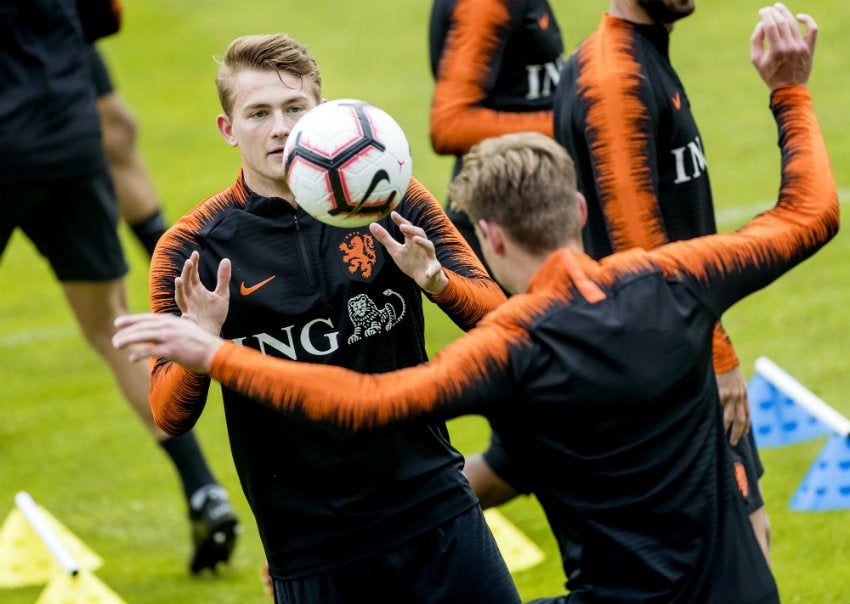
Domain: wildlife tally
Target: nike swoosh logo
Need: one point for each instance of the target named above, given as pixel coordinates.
(677, 101)
(247, 291)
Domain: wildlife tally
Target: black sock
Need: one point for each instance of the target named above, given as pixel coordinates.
(191, 465)
(150, 230)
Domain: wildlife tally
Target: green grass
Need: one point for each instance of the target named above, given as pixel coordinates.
(67, 438)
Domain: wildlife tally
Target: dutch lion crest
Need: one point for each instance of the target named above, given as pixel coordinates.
(368, 319)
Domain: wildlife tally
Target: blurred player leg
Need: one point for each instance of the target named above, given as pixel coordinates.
(138, 203)
(214, 524)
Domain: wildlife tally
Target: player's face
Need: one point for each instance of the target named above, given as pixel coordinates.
(667, 11)
(267, 104)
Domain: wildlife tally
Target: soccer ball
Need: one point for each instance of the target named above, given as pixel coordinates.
(347, 163)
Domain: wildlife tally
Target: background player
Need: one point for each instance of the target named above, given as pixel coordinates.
(56, 188)
(495, 65)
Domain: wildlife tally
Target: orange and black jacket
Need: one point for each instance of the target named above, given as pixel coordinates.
(622, 113)
(316, 294)
(496, 64)
(612, 411)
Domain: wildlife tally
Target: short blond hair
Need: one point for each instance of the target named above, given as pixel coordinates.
(526, 183)
(270, 52)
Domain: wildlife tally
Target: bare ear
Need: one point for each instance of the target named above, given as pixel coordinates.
(582, 209)
(494, 235)
(225, 127)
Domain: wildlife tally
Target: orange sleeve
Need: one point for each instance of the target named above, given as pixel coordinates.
(464, 377)
(723, 353)
(727, 267)
(458, 120)
(177, 397)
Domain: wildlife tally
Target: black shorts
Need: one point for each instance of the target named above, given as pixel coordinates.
(99, 74)
(456, 563)
(73, 222)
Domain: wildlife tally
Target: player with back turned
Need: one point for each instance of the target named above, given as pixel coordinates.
(572, 371)
(623, 114)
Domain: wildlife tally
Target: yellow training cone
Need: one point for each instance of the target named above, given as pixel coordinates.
(25, 558)
(82, 588)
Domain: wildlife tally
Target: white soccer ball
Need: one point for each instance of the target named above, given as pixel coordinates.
(347, 163)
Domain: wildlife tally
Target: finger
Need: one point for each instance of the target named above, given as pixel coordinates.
(771, 26)
(194, 274)
(180, 293)
(786, 23)
(140, 354)
(735, 433)
(811, 30)
(410, 230)
(123, 321)
(223, 279)
(757, 43)
(425, 243)
(398, 218)
(384, 237)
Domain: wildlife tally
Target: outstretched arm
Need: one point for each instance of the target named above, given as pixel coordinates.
(731, 266)
(465, 377)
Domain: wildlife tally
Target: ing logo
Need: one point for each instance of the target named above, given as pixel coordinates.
(358, 253)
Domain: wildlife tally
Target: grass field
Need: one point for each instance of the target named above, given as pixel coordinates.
(67, 438)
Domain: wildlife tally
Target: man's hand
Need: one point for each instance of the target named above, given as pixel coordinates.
(415, 257)
(780, 52)
(736, 408)
(207, 308)
(176, 339)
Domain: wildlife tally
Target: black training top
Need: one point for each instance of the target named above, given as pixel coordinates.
(309, 292)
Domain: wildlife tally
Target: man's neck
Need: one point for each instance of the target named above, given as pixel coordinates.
(631, 12)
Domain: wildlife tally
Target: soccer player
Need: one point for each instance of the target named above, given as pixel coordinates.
(623, 114)
(574, 373)
(56, 188)
(379, 517)
(495, 64)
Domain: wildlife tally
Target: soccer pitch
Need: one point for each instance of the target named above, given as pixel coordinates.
(69, 440)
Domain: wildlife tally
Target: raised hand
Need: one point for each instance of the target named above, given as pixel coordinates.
(780, 52)
(206, 307)
(415, 256)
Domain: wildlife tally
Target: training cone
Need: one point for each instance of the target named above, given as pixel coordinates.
(82, 588)
(826, 485)
(777, 419)
(519, 552)
(25, 560)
